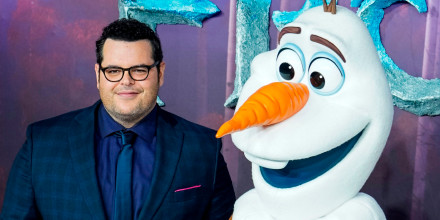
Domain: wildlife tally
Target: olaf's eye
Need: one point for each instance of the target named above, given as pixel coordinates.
(290, 64)
(317, 80)
(326, 75)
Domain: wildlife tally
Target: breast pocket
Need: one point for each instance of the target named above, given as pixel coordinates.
(188, 193)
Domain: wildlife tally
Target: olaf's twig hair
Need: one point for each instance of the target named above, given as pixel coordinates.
(330, 7)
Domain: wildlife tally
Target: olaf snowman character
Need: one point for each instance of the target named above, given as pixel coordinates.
(313, 119)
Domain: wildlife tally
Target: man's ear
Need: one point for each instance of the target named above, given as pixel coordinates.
(97, 75)
(161, 73)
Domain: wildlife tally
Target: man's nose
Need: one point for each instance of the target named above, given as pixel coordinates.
(126, 78)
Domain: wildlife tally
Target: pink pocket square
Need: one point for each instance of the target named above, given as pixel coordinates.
(187, 188)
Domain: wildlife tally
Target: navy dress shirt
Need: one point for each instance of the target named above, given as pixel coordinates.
(107, 150)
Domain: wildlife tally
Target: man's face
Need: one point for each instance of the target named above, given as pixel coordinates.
(128, 101)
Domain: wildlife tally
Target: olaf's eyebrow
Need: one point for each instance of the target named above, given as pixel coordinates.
(327, 43)
(288, 30)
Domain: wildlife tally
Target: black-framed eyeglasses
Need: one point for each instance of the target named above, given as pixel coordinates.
(137, 73)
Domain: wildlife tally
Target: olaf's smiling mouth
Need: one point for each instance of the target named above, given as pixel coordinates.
(297, 172)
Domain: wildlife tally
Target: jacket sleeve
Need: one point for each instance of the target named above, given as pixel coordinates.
(222, 203)
(19, 201)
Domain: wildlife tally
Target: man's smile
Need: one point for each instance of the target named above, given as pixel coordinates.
(127, 93)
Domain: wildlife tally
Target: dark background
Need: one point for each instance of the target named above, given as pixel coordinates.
(47, 68)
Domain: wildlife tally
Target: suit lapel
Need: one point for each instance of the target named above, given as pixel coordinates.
(82, 150)
(169, 146)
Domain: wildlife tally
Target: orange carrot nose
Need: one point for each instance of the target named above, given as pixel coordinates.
(269, 105)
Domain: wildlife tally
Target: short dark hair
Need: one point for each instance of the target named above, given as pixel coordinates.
(129, 30)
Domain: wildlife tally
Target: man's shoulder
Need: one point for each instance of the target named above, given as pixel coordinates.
(65, 119)
(183, 124)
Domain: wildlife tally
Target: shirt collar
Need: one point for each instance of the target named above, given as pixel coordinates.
(146, 128)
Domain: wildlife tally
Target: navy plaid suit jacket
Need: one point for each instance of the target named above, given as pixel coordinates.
(54, 177)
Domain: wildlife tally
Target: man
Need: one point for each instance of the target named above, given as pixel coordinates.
(123, 157)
